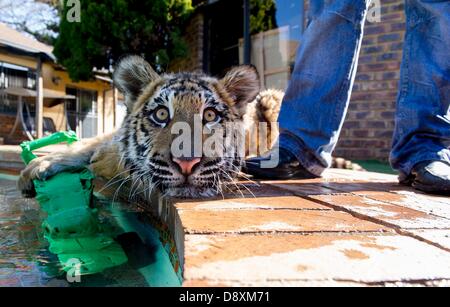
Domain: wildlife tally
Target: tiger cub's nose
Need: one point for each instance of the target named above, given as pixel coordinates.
(186, 164)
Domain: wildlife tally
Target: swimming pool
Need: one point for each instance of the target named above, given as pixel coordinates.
(26, 261)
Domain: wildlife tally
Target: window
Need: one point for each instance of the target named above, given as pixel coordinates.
(14, 76)
(82, 113)
(276, 27)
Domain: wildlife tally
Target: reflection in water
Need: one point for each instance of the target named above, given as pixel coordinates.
(26, 261)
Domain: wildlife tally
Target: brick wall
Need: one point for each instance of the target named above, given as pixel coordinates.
(369, 125)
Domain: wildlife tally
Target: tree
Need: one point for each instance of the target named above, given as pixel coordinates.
(263, 15)
(38, 18)
(112, 28)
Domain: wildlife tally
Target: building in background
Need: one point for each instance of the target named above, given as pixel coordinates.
(85, 107)
(215, 37)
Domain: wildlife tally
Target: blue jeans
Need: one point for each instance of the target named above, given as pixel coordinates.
(318, 94)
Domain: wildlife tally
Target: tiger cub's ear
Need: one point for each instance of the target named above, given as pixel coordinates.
(131, 75)
(243, 85)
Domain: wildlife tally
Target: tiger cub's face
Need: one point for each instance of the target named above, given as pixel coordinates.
(171, 117)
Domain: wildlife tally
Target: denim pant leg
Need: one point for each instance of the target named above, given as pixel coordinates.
(423, 108)
(318, 94)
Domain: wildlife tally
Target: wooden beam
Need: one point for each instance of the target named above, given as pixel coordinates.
(103, 111)
(39, 100)
(115, 96)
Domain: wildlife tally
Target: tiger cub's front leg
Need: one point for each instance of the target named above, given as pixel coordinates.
(76, 156)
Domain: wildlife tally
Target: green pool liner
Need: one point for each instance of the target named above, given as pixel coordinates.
(73, 227)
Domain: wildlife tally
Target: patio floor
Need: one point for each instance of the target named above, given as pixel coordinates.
(346, 229)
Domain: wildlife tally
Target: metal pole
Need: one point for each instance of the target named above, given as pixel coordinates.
(104, 111)
(115, 94)
(39, 114)
(247, 37)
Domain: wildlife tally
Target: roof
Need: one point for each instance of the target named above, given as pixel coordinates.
(49, 94)
(14, 39)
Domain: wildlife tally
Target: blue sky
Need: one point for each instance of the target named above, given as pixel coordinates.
(34, 14)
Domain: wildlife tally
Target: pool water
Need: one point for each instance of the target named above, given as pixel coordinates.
(26, 261)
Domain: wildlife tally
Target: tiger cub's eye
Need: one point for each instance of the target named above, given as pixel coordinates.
(161, 115)
(210, 116)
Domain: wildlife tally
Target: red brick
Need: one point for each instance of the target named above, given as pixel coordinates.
(312, 260)
(405, 218)
(250, 221)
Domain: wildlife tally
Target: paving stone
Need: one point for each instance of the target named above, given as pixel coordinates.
(349, 175)
(302, 188)
(364, 188)
(395, 194)
(204, 283)
(343, 176)
(311, 283)
(242, 221)
(269, 283)
(251, 189)
(256, 259)
(438, 206)
(402, 217)
(423, 283)
(278, 202)
(440, 237)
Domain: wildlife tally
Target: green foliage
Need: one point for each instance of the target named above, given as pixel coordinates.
(112, 28)
(263, 15)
